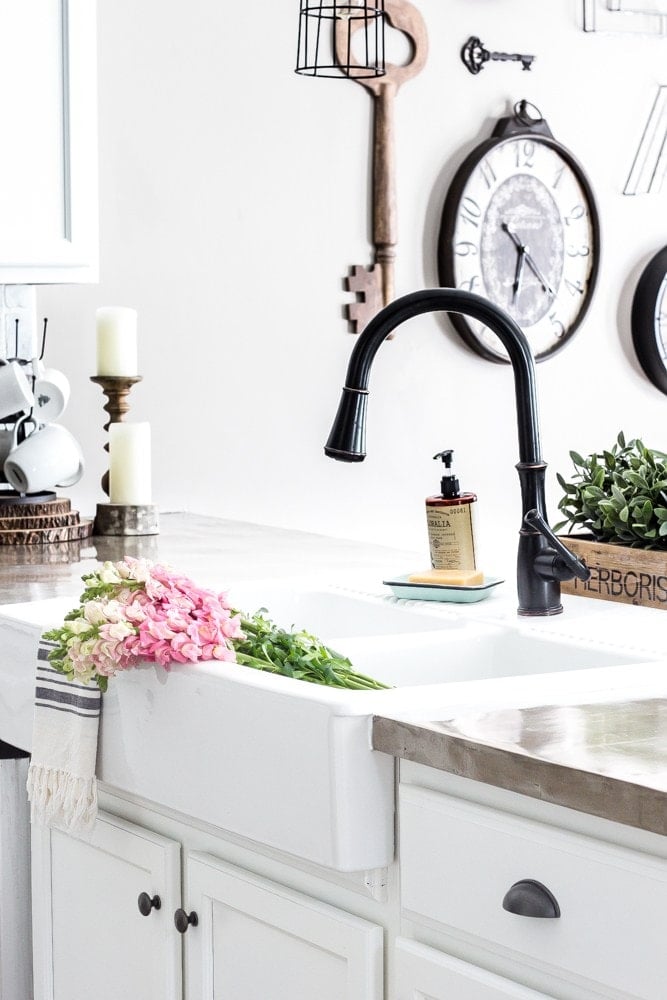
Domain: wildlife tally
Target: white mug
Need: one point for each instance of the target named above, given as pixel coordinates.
(7, 442)
(15, 393)
(51, 392)
(50, 457)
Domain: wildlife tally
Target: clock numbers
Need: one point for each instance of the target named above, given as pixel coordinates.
(558, 328)
(465, 249)
(578, 212)
(559, 174)
(582, 251)
(470, 284)
(470, 211)
(525, 154)
(574, 286)
(488, 173)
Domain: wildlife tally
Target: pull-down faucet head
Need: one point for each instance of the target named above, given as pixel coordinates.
(543, 561)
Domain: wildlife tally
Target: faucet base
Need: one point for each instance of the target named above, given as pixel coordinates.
(528, 613)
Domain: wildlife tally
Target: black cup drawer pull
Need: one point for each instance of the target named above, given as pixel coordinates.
(147, 903)
(529, 898)
(183, 920)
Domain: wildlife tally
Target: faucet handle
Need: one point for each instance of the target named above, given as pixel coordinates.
(557, 563)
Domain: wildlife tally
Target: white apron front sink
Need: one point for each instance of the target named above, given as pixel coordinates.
(282, 762)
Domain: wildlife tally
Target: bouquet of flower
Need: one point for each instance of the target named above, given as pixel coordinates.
(136, 611)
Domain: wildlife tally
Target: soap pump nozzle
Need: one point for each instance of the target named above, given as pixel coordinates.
(449, 484)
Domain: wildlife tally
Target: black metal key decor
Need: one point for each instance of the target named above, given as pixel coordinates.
(474, 56)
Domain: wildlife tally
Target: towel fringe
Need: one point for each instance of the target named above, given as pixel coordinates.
(61, 799)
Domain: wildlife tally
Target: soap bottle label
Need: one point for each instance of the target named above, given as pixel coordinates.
(451, 536)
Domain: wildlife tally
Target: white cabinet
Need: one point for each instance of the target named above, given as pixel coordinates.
(422, 973)
(48, 173)
(90, 939)
(256, 939)
(15, 937)
(250, 938)
(459, 860)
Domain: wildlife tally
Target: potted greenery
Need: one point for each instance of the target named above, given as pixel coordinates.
(618, 499)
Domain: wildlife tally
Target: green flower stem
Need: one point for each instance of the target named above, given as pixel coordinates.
(296, 654)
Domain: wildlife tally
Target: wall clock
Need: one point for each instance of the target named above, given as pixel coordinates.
(520, 226)
(649, 320)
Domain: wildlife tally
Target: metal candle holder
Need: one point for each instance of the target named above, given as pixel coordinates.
(115, 518)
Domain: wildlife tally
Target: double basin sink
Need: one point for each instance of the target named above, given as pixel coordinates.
(284, 763)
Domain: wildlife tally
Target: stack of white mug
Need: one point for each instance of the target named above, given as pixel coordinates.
(36, 454)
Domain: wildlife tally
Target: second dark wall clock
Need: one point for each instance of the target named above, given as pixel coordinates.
(649, 320)
(520, 226)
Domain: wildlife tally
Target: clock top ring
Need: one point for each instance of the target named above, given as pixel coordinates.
(520, 226)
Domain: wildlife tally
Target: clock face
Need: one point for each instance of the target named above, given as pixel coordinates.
(520, 227)
(649, 320)
(660, 321)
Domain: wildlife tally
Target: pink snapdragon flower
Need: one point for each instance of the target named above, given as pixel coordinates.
(138, 612)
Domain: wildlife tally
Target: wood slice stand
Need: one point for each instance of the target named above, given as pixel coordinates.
(41, 522)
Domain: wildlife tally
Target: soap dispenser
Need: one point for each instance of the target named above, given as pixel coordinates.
(450, 520)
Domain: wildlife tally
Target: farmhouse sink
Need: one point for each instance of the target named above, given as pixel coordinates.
(285, 763)
(472, 651)
(330, 611)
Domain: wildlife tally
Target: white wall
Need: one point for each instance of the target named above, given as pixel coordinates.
(233, 198)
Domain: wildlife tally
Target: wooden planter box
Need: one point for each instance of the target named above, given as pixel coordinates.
(619, 573)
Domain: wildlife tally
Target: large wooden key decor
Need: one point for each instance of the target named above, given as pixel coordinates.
(375, 284)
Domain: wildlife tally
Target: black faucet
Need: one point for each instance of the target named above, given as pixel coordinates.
(543, 561)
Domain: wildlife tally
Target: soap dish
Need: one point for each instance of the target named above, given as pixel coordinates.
(441, 592)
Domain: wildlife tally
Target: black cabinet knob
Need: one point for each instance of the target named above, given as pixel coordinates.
(183, 920)
(147, 903)
(529, 898)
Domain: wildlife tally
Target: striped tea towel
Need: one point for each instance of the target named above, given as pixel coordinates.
(61, 779)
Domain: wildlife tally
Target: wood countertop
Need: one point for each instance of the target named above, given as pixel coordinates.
(606, 757)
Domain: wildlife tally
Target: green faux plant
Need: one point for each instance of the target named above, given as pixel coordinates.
(618, 496)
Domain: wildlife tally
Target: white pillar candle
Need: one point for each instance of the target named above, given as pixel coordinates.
(130, 464)
(116, 341)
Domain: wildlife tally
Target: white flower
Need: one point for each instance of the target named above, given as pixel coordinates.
(94, 613)
(114, 611)
(77, 626)
(140, 570)
(87, 648)
(120, 630)
(109, 573)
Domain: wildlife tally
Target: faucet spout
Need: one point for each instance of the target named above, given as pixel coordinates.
(538, 588)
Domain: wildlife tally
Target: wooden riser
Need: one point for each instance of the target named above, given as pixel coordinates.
(46, 509)
(45, 536)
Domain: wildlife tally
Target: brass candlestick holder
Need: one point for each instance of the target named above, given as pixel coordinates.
(116, 388)
(116, 518)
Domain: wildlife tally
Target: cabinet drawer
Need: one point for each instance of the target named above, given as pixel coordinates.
(425, 974)
(459, 859)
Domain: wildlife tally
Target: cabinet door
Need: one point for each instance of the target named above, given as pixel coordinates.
(90, 940)
(256, 939)
(48, 173)
(425, 974)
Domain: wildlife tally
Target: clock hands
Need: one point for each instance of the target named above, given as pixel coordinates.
(518, 274)
(524, 254)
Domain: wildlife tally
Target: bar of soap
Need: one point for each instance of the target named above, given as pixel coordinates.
(448, 577)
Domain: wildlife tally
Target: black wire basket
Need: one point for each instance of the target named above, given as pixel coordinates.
(343, 38)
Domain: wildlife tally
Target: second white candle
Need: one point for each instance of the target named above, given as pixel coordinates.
(130, 464)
